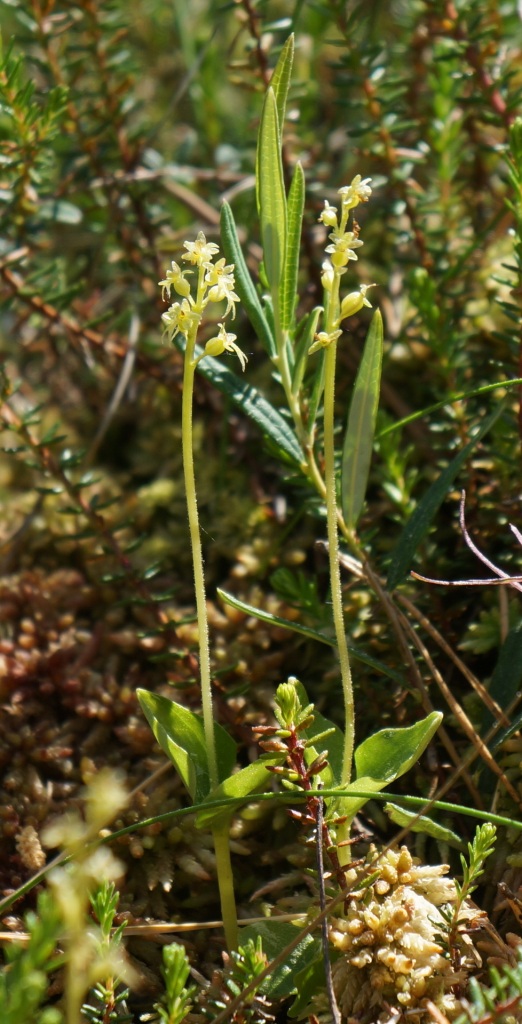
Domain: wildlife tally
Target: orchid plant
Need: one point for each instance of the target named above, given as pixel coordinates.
(201, 750)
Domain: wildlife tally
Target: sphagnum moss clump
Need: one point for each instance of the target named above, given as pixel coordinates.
(391, 936)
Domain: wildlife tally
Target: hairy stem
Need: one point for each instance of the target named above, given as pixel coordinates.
(197, 554)
(333, 555)
(220, 834)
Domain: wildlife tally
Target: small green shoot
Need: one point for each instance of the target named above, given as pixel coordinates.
(176, 1002)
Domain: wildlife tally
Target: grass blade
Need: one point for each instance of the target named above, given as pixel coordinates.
(306, 631)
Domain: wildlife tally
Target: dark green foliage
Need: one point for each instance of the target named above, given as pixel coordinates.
(177, 999)
(25, 981)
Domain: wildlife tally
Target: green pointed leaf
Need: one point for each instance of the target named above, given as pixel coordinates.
(381, 759)
(244, 783)
(308, 632)
(296, 197)
(418, 524)
(181, 735)
(421, 823)
(244, 285)
(391, 752)
(251, 402)
(280, 81)
(272, 195)
(276, 936)
(358, 441)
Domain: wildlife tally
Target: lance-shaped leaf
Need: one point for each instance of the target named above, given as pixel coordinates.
(280, 83)
(358, 441)
(244, 285)
(277, 936)
(384, 757)
(272, 195)
(308, 632)
(421, 823)
(181, 735)
(296, 197)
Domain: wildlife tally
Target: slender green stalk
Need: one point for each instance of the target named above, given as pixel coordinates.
(227, 896)
(333, 555)
(341, 249)
(220, 833)
(197, 554)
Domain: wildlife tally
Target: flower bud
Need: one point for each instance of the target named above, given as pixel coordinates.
(329, 215)
(327, 276)
(341, 258)
(215, 346)
(288, 704)
(182, 286)
(354, 301)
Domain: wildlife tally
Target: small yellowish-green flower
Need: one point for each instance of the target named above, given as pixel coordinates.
(200, 252)
(358, 191)
(223, 342)
(355, 301)
(175, 278)
(220, 281)
(322, 339)
(178, 318)
(341, 248)
(329, 215)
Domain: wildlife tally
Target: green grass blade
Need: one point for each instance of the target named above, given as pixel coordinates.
(251, 402)
(296, 197)
(358, 441)
(418, 524)
(306, 631)
(244, 285)
(461, 396)
(272, 195)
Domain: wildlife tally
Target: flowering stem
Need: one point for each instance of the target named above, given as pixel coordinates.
(333, 555)
(220, 833)
(197, 555)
